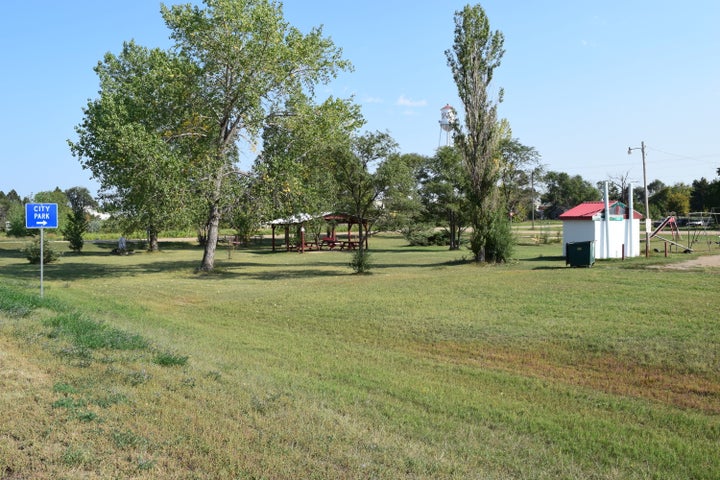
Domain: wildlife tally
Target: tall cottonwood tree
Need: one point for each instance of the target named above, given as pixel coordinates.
(251, 61)
(475, 55)
(134, 139)
(169, 126)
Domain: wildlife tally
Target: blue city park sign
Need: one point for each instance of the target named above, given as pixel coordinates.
(41, 215)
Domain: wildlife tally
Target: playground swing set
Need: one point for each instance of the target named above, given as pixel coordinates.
(699, 220)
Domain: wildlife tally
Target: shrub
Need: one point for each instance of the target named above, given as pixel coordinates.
(425, 238)
(500, 243)
(492, 241)
(32, 252)
(361, 262)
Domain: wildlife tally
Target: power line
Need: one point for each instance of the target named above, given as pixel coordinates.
(684, 157)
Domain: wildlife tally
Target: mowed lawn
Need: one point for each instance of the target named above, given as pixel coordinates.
(288, 366)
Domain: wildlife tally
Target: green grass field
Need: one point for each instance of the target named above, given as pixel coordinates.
(288, 366)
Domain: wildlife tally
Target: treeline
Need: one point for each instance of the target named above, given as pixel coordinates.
(562, 191)
(433, 196)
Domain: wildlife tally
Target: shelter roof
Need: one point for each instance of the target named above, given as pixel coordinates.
(306, 217)
(589, 210)
(297, 218)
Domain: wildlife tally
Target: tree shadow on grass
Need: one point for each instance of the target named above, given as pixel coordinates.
(75, 266)
(548, 267)
(88, 263)
(271, 272)
(442, 264)
(541, 258)
(67, 270)
(549, 259)
(413, 249)
(226, 271)
(11, 253)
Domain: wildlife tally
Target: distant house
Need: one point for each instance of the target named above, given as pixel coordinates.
(96, 214)
(615, 236)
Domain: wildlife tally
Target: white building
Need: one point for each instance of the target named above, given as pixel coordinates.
(613, 233)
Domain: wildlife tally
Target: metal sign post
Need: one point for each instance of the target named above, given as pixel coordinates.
(42, 216)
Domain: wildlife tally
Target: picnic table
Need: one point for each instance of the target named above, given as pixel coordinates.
(349, 244)
(301, 248)
(333, 243)
(329, 242)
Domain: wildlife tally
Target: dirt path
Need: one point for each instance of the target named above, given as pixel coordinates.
(700, 262)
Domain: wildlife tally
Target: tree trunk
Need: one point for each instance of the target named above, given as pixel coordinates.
(361, 239)
(208, 261)
(153, 245)
(213, 225)
(453, 240)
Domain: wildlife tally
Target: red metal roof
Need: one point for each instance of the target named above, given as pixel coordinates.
(587, 210)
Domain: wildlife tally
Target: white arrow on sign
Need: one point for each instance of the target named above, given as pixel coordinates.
(42, 223)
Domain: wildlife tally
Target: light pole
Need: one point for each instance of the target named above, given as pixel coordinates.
(647, 203)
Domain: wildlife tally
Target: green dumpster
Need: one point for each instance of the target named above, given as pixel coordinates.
(580, 254)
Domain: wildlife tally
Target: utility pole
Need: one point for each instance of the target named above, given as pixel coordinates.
(648, 222)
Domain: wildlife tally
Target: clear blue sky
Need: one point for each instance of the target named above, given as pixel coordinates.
(583, 80)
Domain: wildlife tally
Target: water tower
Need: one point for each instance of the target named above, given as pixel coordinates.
(447, 120)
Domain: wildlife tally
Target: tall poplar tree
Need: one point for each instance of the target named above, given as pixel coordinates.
(475, 55)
